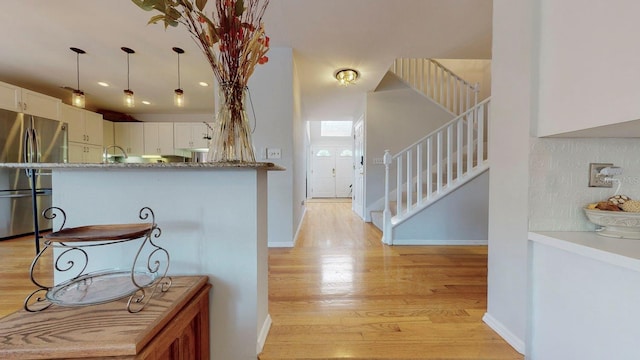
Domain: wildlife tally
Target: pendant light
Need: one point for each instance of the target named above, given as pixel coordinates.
(77, 98)
(178, 94)
(129, 100)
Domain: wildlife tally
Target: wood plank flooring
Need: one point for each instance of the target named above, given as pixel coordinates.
(341, 294)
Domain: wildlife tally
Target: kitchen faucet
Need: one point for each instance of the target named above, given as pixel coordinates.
(105, 158)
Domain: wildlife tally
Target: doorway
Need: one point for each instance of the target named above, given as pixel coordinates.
(331, 171)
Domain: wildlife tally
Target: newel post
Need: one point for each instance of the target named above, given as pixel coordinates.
(386, 214)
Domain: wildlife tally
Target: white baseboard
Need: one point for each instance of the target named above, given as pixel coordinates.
(292, 243)
(507, 335)
(438, 242)
(264, 332)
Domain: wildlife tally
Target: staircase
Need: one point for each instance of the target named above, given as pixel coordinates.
(442, 161)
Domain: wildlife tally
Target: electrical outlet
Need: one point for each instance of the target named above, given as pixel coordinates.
(594, 179)
(378, 161)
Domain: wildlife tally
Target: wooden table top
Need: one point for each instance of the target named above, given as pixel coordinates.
(99, 330)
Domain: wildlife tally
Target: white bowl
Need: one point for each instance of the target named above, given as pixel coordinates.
(619, 224)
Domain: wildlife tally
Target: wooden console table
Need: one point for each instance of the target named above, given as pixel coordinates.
(174, 325)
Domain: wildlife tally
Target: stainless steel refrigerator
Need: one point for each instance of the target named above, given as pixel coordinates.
(27, 138)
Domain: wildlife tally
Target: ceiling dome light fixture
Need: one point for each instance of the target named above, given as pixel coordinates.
(129, 100)
(77, 98)
(178, 94)
(347, 76)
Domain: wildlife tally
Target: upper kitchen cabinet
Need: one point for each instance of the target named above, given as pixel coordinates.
(29, 102)
(130, 137)
(191, 135)
(588, 75)
(158, 138)
(84, 126)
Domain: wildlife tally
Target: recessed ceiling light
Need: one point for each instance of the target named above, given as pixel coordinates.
(102, 83)
(202, 83)
(146, 102)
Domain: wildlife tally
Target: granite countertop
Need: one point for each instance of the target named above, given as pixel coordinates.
(171, 165)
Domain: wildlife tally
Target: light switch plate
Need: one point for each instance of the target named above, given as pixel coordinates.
(273, 153)
(594, 179)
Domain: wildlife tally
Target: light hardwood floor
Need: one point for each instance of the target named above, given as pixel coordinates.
(341, 294)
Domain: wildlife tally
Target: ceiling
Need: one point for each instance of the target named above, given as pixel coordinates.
(326, 35)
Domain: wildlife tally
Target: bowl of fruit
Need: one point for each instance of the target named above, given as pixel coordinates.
(618, 216)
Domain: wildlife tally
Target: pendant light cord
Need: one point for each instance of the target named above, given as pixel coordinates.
(179, 71)
(78, 69)
(128, 86)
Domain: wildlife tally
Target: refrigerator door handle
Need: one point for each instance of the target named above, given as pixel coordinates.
(36, 143)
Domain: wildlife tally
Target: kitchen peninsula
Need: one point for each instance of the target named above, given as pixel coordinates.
(213, 218)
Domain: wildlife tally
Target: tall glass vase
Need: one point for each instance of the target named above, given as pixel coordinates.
(231, 139)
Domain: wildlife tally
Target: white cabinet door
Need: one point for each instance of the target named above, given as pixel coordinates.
(130, 136)
(165, 139)
(29, 102)
(107, 133)
(93, 127)
(191, 136)
(9, 97)
(37, 104)
(84, 153)
(198, 134)
(76, 152)
(74, 118)
(182, 135)
(151, 135)
(84, 126)
(158, 139)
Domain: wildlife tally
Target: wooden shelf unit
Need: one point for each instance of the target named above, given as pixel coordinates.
(174, 325)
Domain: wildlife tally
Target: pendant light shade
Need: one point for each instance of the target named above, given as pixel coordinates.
(178, 94)
(77, 98)
(129, 100)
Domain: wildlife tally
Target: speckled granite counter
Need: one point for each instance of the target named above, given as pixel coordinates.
(183, 165)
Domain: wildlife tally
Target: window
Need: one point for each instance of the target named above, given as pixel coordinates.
(335, 128)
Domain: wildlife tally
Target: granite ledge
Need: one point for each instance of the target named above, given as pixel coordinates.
(182, 165)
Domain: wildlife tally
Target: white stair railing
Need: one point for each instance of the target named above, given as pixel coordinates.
(435, 165)
(438, 83)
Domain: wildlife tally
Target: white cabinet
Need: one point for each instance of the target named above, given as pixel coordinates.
(85, 134)
(84, 126)
(29, 102)
(84, 153)
(158, 138)
(107, 133)
(190, 135)
(129, 136)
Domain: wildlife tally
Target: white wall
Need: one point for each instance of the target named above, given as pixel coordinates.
(300, 144)
(589, 64)
(559, 183)
(511, 115)
(459, 218)
(396, 116)
(271, 87)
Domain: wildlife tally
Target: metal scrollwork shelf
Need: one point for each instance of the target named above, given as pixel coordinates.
(147, 275)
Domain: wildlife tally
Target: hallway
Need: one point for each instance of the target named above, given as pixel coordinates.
(341, 294)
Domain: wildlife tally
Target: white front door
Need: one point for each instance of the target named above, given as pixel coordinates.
(331, 171)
